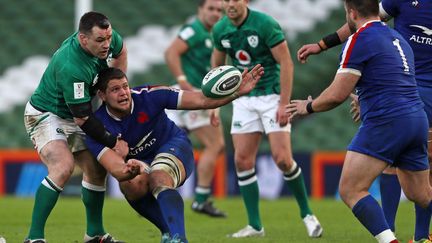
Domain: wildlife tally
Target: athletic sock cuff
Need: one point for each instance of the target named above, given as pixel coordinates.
(48, 183)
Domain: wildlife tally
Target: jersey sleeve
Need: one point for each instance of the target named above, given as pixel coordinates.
(162, 97)
(391, 7)
(273, 33)
(189, 35)
(353, 55)
(116, 44)
(75, 89)
(95, 148)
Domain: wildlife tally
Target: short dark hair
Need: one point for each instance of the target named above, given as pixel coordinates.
(91, 19)
(201, 3)
(106, 75)
(365, 8)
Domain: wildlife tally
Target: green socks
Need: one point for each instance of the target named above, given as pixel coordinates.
(45, 199)
(93, 198)
(295, 181)
(250, 192)
(202, 194)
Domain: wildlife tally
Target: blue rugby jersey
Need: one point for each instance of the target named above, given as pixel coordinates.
(385, 63)
(147, 128)
(413, 20)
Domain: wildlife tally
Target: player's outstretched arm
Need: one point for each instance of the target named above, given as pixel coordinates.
(338, 91)
(329, 41)
(118, 168)
(196, 100)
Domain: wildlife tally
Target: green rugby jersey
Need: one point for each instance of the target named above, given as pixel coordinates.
(69, 76)
(249, 44)
(196, 60)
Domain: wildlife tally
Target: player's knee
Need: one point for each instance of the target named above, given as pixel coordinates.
(422, 199)
(286, 164)
(346, 192)
(243, 162)
(61, 172)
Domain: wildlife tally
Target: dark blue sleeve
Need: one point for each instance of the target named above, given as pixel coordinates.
(391, 7)
(161, 97)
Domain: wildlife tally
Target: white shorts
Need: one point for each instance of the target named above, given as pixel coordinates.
(256, 114)
(189, 119)
(43, 127)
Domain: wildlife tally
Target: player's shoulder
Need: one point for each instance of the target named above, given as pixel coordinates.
(221, 25)
(261, 17)
(191, 29)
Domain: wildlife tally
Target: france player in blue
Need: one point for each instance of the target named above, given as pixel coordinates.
(160, 154)
(413, 20)
(379, 64)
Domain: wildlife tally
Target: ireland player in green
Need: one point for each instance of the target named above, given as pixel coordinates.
(59, 114)
(188, 58)
(249, 37)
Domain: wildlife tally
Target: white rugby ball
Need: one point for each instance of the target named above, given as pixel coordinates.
(221, 81)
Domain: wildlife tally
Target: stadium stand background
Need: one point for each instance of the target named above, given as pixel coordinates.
(32, 30)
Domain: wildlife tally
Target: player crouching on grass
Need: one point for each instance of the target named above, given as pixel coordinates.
(138, 116)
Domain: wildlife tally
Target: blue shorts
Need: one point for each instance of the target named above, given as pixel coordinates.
(401, 141)
(181, 147)
(426, 96)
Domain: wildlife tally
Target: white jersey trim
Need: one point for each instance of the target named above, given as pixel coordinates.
(350, 70)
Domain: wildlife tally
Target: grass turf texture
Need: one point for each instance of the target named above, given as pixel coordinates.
(280, 218)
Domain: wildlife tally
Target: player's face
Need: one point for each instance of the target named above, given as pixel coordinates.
(117, 97)
(236, 10)
(98, 42)
(349, 14)
(210, 12)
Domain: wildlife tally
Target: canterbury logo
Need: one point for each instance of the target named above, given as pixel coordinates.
(426, 30)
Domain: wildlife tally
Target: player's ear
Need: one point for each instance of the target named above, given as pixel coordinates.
(101, 95)
(83, 38)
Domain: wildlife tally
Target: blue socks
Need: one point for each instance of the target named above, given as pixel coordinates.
(369, 213)
(423, 217)
(148, 207)
(390, 190)
(172, 207)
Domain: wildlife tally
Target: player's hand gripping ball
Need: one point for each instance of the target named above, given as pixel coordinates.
(221, 81)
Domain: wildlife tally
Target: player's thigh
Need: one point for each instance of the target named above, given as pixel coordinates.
(280, 144)
(358, 173)
(46, 131)
(210, 136)
(245, 149)
(416, 186)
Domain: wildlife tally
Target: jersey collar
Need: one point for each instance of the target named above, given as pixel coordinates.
(114, 116)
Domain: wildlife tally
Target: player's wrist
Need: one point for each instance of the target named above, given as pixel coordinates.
(309, 108)
(181, 79)
(321, 45)
(330, 41)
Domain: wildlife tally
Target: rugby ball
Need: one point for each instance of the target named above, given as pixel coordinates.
(221, 81)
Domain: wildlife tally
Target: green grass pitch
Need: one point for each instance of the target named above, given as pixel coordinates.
(280, 218)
